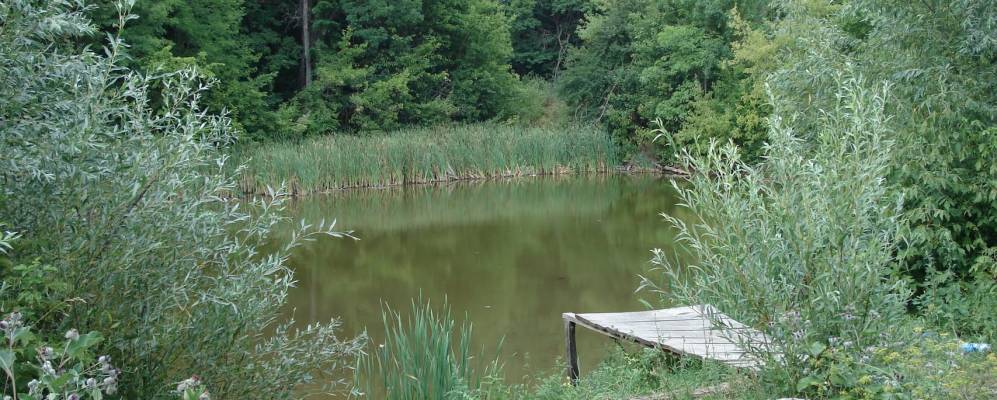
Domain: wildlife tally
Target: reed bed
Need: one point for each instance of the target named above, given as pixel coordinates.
(423, 155)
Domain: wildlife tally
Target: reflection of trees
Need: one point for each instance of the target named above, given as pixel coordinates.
(527, 250)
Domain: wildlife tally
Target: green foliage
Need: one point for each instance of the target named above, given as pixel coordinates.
(377, 66)
(172, 34)
(939, 61)
(802, 246)
(424, 356)
(69, 370)
(116, 180)
(539, 105)
(36, 291)
(643, 61)
(965, 307)
(382, 65)
(930, 366)
(542, 33)
(437, 154)
(646, 373)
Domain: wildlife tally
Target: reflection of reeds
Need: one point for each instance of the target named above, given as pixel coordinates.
(419, 155)
(471, 202)
(424, 356)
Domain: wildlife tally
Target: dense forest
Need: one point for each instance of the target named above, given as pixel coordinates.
(836, 161)
(285, 71)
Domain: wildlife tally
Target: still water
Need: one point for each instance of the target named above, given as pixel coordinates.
(511, 255)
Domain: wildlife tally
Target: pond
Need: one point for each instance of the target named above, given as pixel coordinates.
(511, 255)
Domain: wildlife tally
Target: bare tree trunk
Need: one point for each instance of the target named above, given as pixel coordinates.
(562, 51)
(306, 41)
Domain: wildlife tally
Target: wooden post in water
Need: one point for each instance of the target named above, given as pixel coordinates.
(572, 353)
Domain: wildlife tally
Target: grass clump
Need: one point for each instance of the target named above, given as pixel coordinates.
(648, 374)
(421, 155)
(426, 356)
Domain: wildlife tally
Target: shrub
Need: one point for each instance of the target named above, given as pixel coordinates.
(117, 181)
(69, 370)
(642, 61)
(800, 247)
(928, 366)
(940, 65)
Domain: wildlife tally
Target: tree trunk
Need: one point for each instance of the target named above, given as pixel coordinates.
(562, 51)
(306, 42)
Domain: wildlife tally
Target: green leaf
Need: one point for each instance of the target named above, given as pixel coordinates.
(807, 382)
(7, 358)
(816, 348)
(77, 347)
(60, 383)
(22, 334)
(837, 379)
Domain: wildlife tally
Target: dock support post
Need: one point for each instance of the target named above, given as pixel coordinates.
(572, 353)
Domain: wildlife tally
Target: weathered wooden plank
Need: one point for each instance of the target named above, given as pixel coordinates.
(570, 349)
(700, 331)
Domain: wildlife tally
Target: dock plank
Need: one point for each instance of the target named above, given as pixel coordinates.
(700, 331)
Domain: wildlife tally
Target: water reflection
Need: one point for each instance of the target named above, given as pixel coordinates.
(513, 255)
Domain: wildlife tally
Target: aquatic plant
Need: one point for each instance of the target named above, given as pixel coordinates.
(419, 155)
(425, 356)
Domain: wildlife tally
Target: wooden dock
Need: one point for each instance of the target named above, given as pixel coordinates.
(699, 331)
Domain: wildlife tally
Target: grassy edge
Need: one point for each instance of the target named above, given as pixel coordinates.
(439, 154)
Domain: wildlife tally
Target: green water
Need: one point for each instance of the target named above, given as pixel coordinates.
(511, 254)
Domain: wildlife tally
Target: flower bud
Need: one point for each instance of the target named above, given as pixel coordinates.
(47, 368)
(46, 353)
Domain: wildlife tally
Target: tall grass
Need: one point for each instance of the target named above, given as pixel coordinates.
(426, 356)
(420, 155)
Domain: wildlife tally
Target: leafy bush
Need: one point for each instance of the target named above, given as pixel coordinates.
(131, 204)
(964, 307)
(800, 247)
(69, 370)
(382, 66)
(928, 366)
(673, 61)
(939, 61)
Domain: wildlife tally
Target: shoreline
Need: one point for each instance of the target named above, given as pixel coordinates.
(296, 192)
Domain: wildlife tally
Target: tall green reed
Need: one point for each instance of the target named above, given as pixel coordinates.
(421, 155)
(425, 356)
